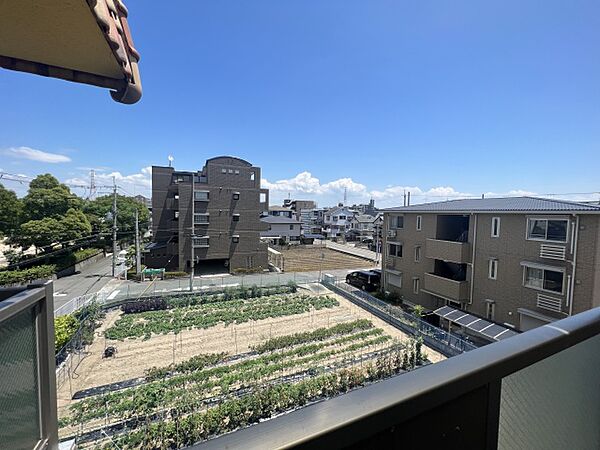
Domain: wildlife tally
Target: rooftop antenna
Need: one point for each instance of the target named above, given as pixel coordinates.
(171, 159)
(345, 196)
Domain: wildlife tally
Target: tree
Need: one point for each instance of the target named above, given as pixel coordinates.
(10, 211)
(99, 212)
(48, 198)
(74, 225)
(40, 233)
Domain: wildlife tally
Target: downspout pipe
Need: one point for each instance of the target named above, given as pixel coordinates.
(473, 257)
(574, 264)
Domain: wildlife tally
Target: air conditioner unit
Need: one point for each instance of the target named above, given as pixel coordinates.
(391, 233)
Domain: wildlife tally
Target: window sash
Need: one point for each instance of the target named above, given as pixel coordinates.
(419, 224)
(200, 195)
(495, 226)
(493, 269)
(555, 230)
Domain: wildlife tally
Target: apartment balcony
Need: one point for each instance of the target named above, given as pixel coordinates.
(457, 291)
(457, 252)
(496, 396)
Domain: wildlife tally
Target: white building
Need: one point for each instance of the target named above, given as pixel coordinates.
(281, 229)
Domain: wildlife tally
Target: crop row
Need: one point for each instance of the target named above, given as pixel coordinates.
(310, 336)
(185, 430)
(178, 319)
(191, 387)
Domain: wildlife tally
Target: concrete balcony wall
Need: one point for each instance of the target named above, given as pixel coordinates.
(456, 252)
(447, 288)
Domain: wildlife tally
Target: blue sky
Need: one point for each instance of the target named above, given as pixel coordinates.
(446, 98)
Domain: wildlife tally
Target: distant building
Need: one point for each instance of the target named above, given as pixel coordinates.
(365, 225)
(312, 222)
(337, 221)
(223, 211)
(366, 209)
(280, 211)
(521, 262)
(144, 201)
(299, 205)
(281, 228)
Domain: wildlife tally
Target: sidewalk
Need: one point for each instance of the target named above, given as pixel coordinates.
(345, 248)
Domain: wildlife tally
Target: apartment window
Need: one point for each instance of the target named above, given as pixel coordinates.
(251, 176)
(416, 285)
(547, 229)
(395, 250)
(398, 222)
(544, 279)
(394, 279)
(493, 269)
(236, 218)
(237, 172)
(176, 196)
(417, 253)
(327, 217)
(176, 215)
(236, 195)
(419, 220)
(342, 217)
(291, 227)
(200, 218)
(235, 239)
(490, 309)
(335, 218)
(230, 170)
(201, 196)
(223, 170)
(495, 227)
(201, 241)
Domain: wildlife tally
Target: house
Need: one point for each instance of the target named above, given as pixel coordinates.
(365, 225)
(337, 221)
(312, 222)
(282, 229)
(280, 211)
(521, 262)
(221, 204)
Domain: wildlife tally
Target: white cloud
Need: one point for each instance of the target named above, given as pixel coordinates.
(36, 155)
(306, 183)
(132, 184)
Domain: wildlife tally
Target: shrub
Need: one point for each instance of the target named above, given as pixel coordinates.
(27, 275)
(176, 275)
(65, 328)
(152, 304)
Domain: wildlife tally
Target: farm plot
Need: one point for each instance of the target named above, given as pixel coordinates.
(245, 359)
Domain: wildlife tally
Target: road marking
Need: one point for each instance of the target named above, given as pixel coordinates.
(60, 295)
(113, 294)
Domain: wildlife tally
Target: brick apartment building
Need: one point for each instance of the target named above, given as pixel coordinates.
(224, 216)
(521, 262)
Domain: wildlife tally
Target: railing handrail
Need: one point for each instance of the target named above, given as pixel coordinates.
(353, 417)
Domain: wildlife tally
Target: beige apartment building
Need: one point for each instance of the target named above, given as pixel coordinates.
(520, 262)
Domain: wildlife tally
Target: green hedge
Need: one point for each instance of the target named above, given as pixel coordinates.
(26, 275)
(64, 329)
(176, 275)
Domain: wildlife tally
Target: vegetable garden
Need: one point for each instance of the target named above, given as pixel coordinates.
(174, 405)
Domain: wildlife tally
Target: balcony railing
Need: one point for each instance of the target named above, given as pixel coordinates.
(536, 390)
(457, 252)
(446, 287)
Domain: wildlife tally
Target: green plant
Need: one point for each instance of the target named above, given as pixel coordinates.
(65, 328)
(26, 275)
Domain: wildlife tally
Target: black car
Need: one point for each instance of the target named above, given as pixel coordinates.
(367, 280)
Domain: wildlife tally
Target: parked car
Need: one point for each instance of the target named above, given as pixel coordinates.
(366, 280)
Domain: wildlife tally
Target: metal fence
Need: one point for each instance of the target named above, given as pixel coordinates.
(445, 342)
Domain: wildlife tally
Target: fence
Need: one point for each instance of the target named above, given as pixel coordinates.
(446, 343)
(79, 302)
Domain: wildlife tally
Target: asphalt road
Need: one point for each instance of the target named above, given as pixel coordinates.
(92, 278)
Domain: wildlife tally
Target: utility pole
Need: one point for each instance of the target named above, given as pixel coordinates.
(114, 255)
(192, 234)
(138, 262)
